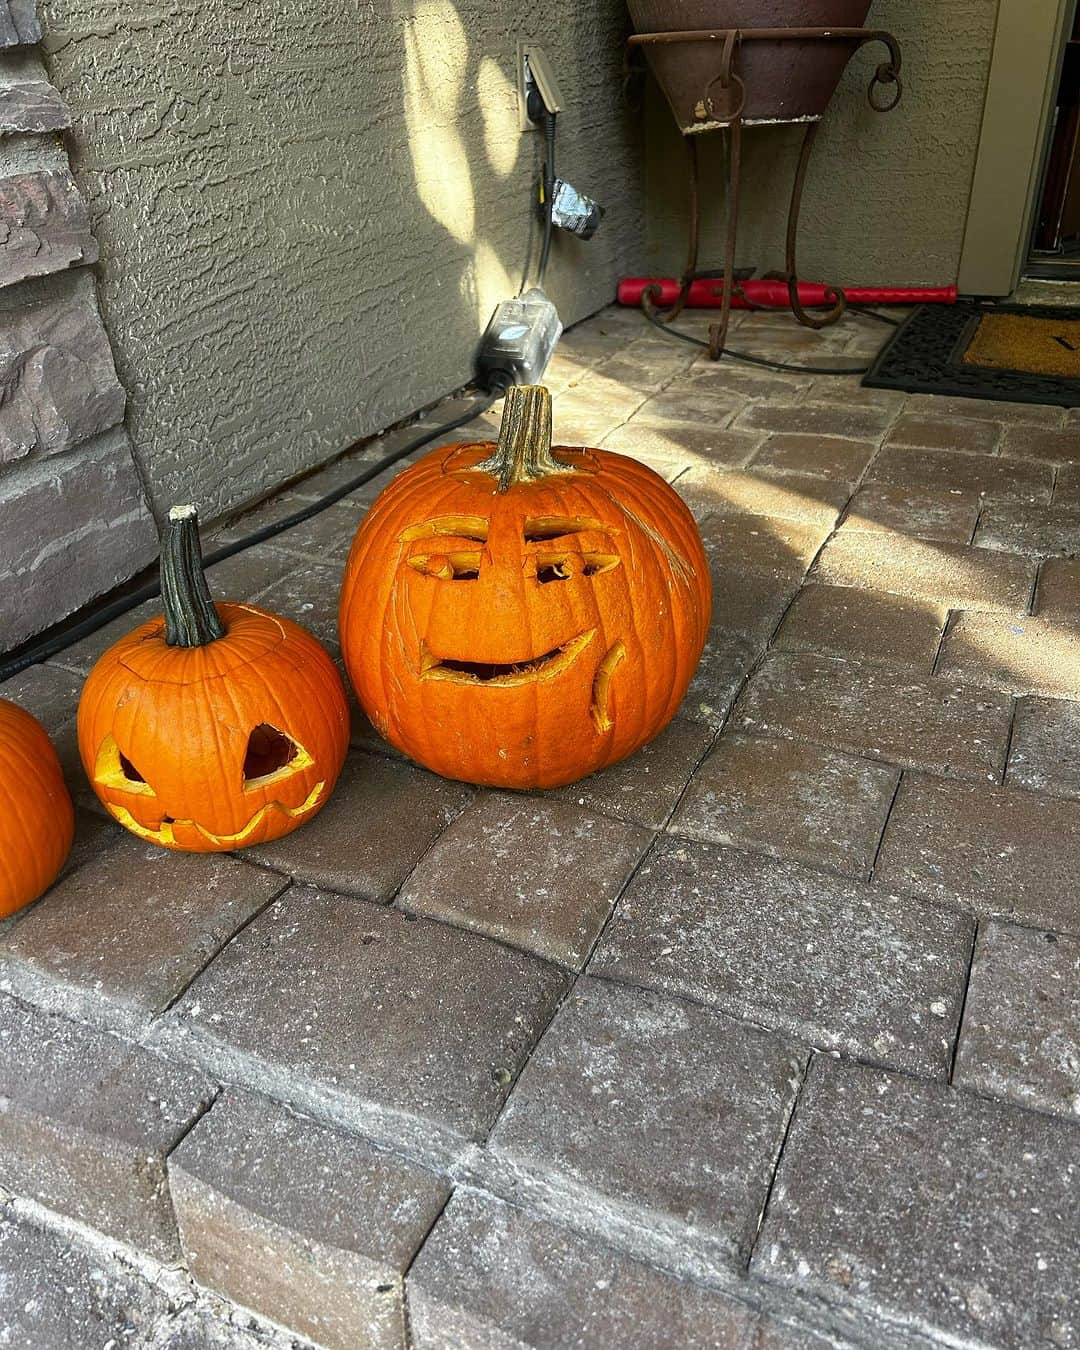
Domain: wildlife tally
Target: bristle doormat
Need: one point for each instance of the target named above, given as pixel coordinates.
(1019, 353)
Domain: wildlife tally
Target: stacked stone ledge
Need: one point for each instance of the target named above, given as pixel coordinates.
(73, 515)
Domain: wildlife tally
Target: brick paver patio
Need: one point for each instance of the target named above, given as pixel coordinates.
(768, 1038)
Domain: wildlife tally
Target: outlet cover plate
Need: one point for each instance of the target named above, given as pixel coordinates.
(534, 70)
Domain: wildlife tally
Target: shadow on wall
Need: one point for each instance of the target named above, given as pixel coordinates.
(307, 212)
(442, 84)
(476, 173)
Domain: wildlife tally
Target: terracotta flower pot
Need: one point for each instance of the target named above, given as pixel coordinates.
(785, 80)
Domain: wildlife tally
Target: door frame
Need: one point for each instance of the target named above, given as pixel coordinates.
(1025, 66)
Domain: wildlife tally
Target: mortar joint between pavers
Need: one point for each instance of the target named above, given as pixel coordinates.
(737, 1019)
(645, 853)
(963, 1002)
(1055, 471)
(571, 975)
(1008, 742)
(885, 822)
(395, 895)
(209, 1106)
(574, 976)
(287, 882)
(950, 620)
(825, 1318)
(807, 1061)
(405, 1303)
(975, 524)
(173, 1281)
(1030, 607)
(665, 823)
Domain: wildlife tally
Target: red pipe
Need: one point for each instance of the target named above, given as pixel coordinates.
(774, 294)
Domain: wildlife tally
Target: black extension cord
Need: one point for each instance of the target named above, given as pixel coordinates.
(42, 648)
(764, 361)
(549, 193)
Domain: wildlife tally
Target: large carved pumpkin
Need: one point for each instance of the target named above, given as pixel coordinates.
(521, 617)
(213, 727)
(37, 820)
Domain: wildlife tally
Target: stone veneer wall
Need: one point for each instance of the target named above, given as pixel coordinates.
(74, 519)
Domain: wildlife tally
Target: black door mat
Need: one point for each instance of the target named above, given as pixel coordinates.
(926, 354)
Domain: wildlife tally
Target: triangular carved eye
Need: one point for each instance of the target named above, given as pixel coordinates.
(114, 769)
(270, 755)
(129, 770)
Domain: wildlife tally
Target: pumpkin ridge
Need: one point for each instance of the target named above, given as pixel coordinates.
(577, 497)
(377, 608)
(634, 503)
(334, 728)
(681, 624)
(384, 505)
(359, 607)
(584, 493)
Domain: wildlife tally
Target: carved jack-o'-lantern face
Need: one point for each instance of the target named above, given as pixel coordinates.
(521, 619)
(233, 740)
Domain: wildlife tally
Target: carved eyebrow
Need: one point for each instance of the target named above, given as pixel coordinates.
(538, 528)
(462, 527)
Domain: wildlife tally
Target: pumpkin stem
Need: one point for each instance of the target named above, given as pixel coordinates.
(524, 449)
(190, 617)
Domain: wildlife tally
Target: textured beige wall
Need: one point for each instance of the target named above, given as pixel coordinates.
(307, 210)
(887, 197)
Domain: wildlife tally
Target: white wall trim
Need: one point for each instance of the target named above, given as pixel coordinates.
(1024, 71)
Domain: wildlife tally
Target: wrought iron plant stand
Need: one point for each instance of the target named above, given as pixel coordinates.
(719, 105)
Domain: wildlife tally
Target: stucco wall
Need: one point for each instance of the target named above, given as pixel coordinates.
(307, 210)
(887, 196)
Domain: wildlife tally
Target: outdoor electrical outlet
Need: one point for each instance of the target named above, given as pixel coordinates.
(534, 71)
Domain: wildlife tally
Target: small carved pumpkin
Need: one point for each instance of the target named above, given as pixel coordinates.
(37, 820)
(214, 727)
(521, 618)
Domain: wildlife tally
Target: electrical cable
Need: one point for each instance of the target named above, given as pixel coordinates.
(755, 360)
(42, 649)
(865, 313)
(549, 193)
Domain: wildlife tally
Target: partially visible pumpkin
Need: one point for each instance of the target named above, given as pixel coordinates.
(37, 820)
(521, 617)
(215, 726)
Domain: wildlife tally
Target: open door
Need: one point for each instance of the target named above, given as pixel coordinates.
(1055, 245)
(1021, 96)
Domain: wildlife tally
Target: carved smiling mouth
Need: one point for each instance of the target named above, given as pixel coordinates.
(505, 674)
(165, 833)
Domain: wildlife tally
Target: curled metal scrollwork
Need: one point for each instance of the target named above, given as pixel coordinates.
(885, 75)
(884, 92)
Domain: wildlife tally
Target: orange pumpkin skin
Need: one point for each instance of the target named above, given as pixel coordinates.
(580, 600)
(182, 718)
(37, 820)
